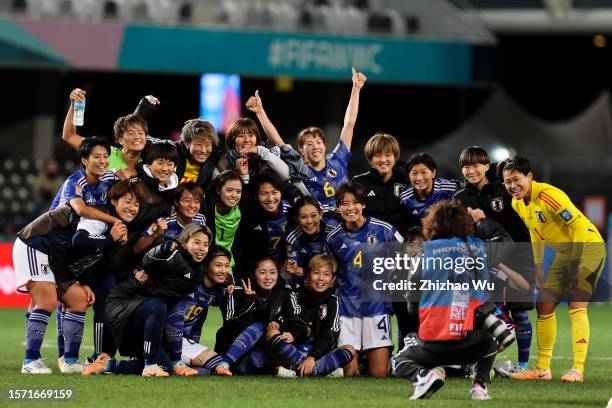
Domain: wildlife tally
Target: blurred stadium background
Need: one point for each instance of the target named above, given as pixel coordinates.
(527, 76)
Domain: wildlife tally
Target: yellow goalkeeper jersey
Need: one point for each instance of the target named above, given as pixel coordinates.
(552, 218)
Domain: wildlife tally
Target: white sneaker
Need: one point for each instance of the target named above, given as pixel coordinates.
(504, 368)
(427, 385)
(337, 373)
(478, 392)
(35, 367)
(72, 368)
(285, 372)
(60, 362)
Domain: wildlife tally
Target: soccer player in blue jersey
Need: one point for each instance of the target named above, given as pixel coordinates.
(325, 172)
(187, 199)
(88, 186)
(186, 318)
(426, 189)
(328, 172)
(309, 237)
(364, 323)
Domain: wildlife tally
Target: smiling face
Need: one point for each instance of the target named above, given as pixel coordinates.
(421, 178)
(230, 193)
(383, 163)
(218, 269)
(475, 174)
(321, 278)
(266, 274)
(518, 184)
(127, 207)
(134, 138)
(245, 139)
(197, 246)
(188, 205)
(162, 170)
(200, 149)
(313, 150)
(309, 219)
(96, 163)
(351, 210)
(269, 197)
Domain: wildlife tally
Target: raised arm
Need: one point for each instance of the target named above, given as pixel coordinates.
(255, 105)
(83, 210)
(69, 132)
(350, 117)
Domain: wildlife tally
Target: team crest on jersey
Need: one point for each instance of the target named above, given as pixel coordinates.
(323, 312)
(397, 188)
(332, 173)
(371, 240)
(497, 204)
(540, 216)
(45, 269)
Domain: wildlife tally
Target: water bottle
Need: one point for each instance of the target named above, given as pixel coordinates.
(79, 113)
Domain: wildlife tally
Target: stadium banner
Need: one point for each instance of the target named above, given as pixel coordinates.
(9, 297)
(65, 43)
(297, 55)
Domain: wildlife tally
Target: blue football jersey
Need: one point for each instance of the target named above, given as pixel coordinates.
(442, 190)
(302, 247)
(196, 309)
(354, 251)
(175, 227)
(76, 186)
(277, 231)
(323, 184)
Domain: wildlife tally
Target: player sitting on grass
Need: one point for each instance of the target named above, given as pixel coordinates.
(158, 173)
(136, 308)
(553, 219)
(246, 314)
(188, 316)
(318, 355)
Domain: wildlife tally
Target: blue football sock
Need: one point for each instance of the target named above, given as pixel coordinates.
(73, 324)
(243, 343)
(331, 361)
(523, 335)
(35, 333)
(59, 317)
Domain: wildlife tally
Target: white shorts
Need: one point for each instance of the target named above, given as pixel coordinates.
(191, 350)
(365, 333)
(30, 265)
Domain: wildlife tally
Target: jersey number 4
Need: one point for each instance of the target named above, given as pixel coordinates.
(358, 260)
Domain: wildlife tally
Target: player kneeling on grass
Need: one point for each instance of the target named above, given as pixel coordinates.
(136, 309)
(186, 318)
(246, 315)
(318, 356)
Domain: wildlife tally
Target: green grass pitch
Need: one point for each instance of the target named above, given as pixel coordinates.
(134, 391)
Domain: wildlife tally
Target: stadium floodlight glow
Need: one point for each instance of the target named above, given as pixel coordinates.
(220, 99)
(500, 153)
